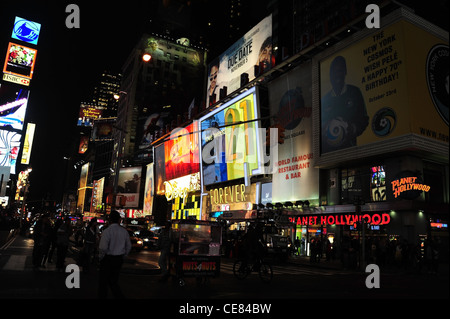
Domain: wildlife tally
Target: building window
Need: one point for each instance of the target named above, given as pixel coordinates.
(355, 185)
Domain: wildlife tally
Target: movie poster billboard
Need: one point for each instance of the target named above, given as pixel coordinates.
(182, 152)
(9, 149)
(290, 97)
(129, 185)
(148, 191)
(148, 129)
(13, 106)
(376, 88)
(159, 169)
(229, 140)
(253, 49)
(20, 60)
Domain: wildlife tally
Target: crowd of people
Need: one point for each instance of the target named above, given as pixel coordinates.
(395, 253)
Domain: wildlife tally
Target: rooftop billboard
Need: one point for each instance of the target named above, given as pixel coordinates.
(382, 87)
(254, 49)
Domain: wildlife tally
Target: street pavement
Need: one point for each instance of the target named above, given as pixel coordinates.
(296, 279)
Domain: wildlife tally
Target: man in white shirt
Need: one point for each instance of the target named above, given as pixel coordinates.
(114, 245)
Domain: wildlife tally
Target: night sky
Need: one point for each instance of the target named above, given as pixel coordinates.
(67, 64)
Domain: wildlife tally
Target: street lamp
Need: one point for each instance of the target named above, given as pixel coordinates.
(146, 57)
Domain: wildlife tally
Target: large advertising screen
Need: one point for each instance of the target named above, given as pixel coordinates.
(129, 185)
(377, 89)
(26, 31)
(182, 152)
(13, 106)
(253, 49)
(294, 177)
(229, 140)
(148, 191)
(20, 60)
(9, 149)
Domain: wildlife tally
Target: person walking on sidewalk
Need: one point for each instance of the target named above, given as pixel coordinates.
(90, 242)
(114, 245)
(164, 245)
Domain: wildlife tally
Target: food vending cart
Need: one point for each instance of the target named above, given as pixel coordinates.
(195, 250)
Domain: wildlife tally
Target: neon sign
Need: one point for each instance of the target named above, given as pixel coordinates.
(344, 219)
(407, 184)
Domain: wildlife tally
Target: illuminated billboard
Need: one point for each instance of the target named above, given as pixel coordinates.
(386, 85)
(13, 106)
(182, 152)
(26, 31)
(129, 185)
(229, 140)
(148, 191)
(251, 54)
(9, 149)
(88, 113)
(290, 97)
(28, 144)
(103, 129)
(20, 60)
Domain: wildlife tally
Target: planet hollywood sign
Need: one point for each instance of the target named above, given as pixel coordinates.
(342, 219)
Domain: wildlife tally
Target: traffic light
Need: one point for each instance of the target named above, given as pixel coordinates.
(281, 130)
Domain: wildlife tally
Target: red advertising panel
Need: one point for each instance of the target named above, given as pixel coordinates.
(182, 153)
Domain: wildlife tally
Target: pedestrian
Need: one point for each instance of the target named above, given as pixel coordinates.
(164, 245)
(39, 236)
(46, 240)
(114, 245)
(63, 234)
(90, 243)
(52, 239)
(313, 250)
(297, 246)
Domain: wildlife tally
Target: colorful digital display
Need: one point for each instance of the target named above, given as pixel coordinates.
(251, 54)
(13, 106)
(229, 140)
(20, 60)
(182, 152)
(26, 31)
(9, 149)
(28, 144)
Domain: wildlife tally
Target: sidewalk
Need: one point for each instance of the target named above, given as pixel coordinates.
(336, 264)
